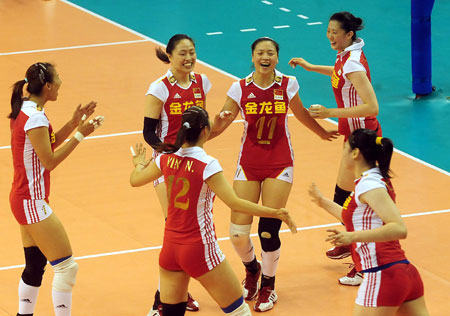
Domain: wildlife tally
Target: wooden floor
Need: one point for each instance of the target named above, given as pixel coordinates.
(116, 230)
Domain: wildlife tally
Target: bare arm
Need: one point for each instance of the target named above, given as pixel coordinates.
(226, 116)
(364, 88)
(324, 70)
(325, 203)
(303, 116)
(41, 144)
(225, 192)
(393, 229)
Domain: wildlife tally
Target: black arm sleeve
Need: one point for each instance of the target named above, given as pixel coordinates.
(149, 131)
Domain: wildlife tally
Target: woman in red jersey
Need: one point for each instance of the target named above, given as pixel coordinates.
(265, 164)
(355, 98)
(373, 228)
(33, 146)
(190, 247)
(167, 98)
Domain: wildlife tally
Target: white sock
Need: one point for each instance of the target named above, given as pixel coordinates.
(270, 262)
(27, 297)
(62, 302)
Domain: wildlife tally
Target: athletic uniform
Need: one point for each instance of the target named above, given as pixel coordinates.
(190, 242)
(266, 150)
(350, 60)
(31, 185)
(389, 279)
(176, 100)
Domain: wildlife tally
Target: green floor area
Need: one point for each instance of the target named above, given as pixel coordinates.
(417, 127)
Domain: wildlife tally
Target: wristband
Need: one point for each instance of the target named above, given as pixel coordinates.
(78, 136)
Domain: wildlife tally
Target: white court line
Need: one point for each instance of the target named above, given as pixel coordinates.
(72, 47)
(303, 16)
(248, 30)
(114, 253)
(281, 26)
(285, 9)
(214, 33)
(314, 23)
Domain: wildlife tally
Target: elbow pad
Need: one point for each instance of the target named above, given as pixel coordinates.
(149, 131)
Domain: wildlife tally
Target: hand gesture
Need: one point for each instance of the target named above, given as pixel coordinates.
(338, 238)
(298, 61)
(138, 153)
(87, 110)
(283, 214)
(222, 120)
(318, 111)
(330, 135)
(87, 127)
(315, 194)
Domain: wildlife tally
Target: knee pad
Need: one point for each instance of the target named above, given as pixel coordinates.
(239, 234)
(35, 263)
(65, 275)
(340, 195)
(174, 309)
(268, 230)
(238, 308)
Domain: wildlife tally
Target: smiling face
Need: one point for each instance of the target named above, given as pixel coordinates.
(183, 56)
(265, 57)
(339, 38)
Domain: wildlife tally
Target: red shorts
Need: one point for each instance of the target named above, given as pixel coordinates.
(260, 174)
(390, 287)
(194, 259)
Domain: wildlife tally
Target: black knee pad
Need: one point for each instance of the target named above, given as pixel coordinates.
(174, 309)
(340, 195)
(268, 230)
(35, 263)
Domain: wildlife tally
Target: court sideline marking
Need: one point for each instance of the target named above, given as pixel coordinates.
(106, 254)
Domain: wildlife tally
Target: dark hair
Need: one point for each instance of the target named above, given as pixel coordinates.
(264, 39)
(373, 148)
(348, 22)
(163, 56)
(193, 121)
(36, 76)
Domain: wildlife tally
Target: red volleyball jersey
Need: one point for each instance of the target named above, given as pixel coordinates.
(31, 179)
(177, 100)
(266, 140)
(190, 209)
(358, 216)
(352, 59)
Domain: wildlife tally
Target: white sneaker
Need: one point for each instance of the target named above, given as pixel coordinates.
(155, 312)
(266, 298)
(352, 278)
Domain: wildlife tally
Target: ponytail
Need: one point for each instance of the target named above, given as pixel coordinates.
(36, 77)
(162, 55)
(193, 121)
(374, 149)
(384, 157)
(16, 98)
